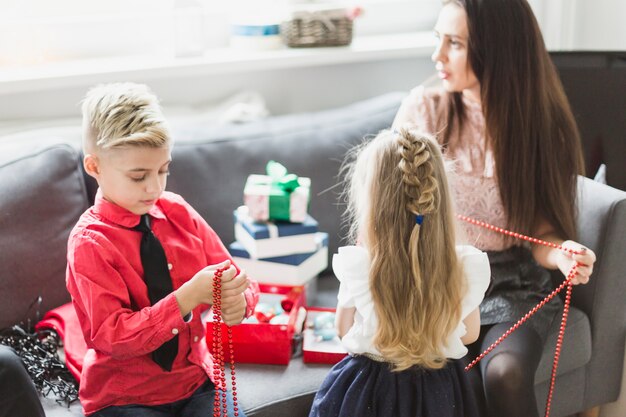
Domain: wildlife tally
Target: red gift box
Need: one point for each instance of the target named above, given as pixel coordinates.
(315, 350)
(261, 342)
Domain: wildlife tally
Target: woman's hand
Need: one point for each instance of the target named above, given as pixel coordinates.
(585, 260)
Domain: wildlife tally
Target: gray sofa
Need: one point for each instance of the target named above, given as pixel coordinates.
(43, 190)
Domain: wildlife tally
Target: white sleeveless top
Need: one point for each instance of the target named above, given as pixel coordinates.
(351, 266)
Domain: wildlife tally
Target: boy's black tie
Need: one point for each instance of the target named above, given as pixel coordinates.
(157, 277)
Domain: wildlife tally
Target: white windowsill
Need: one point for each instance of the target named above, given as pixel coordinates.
(214, 62)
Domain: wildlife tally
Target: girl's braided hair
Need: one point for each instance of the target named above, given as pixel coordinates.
(415, 277)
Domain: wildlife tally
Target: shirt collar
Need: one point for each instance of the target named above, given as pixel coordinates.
(119, 215)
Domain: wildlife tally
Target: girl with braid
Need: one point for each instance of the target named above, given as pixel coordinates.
(408, 297)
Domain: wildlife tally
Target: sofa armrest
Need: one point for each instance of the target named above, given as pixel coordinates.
(602, 227)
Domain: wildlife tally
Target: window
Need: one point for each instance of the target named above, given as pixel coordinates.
(35, 32)
(396, 16)
(38, 31)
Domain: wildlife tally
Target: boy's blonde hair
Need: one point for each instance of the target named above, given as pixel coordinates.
(123, 114)
(415, 278)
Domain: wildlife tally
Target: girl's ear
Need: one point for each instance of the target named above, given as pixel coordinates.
(91, 165)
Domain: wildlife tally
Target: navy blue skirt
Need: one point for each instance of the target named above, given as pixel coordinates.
(361, 387)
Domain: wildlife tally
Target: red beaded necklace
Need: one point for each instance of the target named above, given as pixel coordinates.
(568, 295)
(219, 372)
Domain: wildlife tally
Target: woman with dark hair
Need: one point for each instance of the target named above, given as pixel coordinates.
(503, 118)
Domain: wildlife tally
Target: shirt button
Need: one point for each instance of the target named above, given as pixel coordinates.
(195, 338)
(174, 330)
(169, 266)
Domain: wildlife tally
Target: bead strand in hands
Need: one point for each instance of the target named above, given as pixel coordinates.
(220, 408)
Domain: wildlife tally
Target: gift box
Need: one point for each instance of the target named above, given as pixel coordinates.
(277, 195)
(321, 345)
(272, 239)
(257, 341)
(294, 269)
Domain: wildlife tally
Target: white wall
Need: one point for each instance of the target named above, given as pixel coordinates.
(600, 25)
(582, 25)
(285, 90)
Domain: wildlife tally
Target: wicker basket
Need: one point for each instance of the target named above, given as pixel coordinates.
(317, 28)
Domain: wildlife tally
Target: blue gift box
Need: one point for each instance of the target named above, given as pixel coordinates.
(266, 230)
(294, 269)
(274, 239)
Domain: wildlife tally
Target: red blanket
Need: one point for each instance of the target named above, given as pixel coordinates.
(64, 321)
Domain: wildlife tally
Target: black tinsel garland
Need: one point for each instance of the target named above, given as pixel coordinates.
(39, 352)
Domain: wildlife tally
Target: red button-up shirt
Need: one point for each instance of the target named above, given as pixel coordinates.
(121, 328)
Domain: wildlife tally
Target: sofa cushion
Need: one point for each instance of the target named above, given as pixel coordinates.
(43, 195)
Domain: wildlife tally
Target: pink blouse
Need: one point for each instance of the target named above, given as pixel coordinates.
(473, 184)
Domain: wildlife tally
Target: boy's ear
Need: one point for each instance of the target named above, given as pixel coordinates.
(91, 164)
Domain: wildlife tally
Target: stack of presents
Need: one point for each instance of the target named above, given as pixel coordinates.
(278, 243)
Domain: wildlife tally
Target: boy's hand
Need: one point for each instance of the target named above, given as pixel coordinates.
(199, 289)
(203, 281)
(233, 300)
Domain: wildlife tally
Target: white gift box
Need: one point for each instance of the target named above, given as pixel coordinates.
(271, 239)
(295, 269)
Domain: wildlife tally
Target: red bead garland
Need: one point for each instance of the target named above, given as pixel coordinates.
(568, 296)
(219, 369)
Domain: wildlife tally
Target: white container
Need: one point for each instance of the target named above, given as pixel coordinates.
(256, 36)
(255, 24)
(189, 28)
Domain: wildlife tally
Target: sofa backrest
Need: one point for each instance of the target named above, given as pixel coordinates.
(602, 227)
(210, 166)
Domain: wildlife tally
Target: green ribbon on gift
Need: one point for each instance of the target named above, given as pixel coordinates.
(279, 186)
(281, 177)
(282, 185)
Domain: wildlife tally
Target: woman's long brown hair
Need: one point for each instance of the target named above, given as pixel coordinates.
(414, 268)
(529, 123)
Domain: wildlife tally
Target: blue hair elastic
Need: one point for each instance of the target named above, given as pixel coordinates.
(419, 218)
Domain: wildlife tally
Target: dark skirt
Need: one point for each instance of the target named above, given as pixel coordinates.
(518, 284)
(361, 387)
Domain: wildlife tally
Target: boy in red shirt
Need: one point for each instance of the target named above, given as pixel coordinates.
(129, 321)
